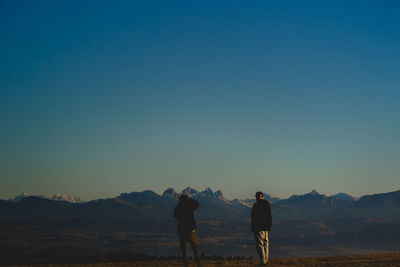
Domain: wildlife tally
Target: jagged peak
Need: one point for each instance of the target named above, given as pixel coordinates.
(207, 192)
(169, 190)
(314, 192)
(139, 195)
(189, 191)
(208, 189)
(170, 193)
(219, 193)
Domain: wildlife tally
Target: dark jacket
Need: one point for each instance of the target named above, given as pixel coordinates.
(183, 212)
(261, 219)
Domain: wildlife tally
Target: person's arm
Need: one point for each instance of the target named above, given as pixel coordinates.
(269, 217)
(252, 219)
(176, 212)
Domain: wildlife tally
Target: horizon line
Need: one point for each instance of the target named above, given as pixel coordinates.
(189, 187)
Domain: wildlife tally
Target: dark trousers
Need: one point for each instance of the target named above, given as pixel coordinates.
(191, 237)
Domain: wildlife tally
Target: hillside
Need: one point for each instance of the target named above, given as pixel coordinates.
(376, 260)
(309, 225)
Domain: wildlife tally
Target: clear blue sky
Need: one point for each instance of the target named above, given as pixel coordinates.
(103, 97)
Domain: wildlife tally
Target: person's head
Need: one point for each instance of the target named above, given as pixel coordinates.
(259, 195)
(183, 197)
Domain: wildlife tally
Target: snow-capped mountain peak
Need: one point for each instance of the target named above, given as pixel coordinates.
(20, 197)
(24, 195)
(63, 197)
(170, 194)
(189, 191)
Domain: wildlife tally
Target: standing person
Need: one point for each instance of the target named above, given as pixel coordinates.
(183, 212)
(261, 221)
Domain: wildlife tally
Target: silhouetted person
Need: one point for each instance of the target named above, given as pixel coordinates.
(261, 221)
(183, 212)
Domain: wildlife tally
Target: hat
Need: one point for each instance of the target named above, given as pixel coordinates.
(259, 194)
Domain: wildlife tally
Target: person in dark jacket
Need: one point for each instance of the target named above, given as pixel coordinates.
(183, 212)
(261, 222)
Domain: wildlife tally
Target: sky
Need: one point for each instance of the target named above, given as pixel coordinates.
(98, 98)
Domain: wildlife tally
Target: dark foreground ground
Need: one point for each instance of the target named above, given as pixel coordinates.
(384, 260)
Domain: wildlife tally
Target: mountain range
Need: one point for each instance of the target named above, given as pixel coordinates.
(148, 205)
(56, 197)
(310, 224)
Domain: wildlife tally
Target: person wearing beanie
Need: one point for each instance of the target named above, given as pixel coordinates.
(261, 222)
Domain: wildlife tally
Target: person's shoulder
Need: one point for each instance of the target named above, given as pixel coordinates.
(265, 202)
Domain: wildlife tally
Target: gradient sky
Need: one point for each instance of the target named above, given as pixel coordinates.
(103, 97)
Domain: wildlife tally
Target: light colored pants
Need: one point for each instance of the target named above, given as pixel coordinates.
(262, 241)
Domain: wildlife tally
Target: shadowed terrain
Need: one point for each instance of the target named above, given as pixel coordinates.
(377, 260)
(134, 225)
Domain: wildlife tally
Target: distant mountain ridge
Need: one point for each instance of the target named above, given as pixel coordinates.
(214, 204)
(344, 196)
(56, 197)
(24, 195)
(63, 197)
(148, 205)
(171, 194)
